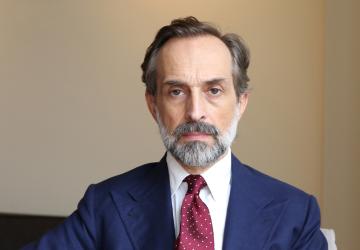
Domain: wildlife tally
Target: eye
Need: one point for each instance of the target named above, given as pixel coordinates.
(215, 91)
(176, 92)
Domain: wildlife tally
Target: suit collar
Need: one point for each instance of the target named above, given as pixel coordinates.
(251, 212)
(146, 210)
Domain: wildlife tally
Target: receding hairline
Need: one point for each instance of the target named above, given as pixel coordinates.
(190, 27)
(194, 38)
(172, 41)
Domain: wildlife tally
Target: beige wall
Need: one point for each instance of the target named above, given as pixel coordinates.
(342, 122)
(71, 101)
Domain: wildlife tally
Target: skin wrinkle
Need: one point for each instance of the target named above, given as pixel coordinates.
(196, 93)
(197, 153)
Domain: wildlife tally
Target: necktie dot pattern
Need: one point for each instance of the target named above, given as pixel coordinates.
(196, 232)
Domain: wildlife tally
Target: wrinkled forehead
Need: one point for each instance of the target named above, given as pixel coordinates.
(200, 56)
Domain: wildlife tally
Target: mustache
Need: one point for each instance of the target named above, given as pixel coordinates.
(200, 127)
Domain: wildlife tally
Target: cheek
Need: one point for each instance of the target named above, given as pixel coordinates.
(222, 118)
(171, 117)
(226, 120)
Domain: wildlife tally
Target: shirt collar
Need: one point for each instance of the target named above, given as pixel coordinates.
(176, 173)
(216, 185)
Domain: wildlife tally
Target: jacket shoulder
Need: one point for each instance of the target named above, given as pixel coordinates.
(127, 180)
(266, 185)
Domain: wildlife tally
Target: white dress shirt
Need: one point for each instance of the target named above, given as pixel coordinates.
(215, 195)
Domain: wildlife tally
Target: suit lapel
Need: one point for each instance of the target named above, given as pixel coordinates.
(146, 210)
(251, 214)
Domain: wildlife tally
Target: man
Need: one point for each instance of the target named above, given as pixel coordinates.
(199, 196)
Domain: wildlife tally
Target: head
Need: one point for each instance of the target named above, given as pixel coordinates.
(196, 89)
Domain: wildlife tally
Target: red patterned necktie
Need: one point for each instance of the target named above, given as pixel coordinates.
(196, 231)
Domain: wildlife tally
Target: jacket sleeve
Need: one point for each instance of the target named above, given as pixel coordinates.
(310, 236)
(76, 232)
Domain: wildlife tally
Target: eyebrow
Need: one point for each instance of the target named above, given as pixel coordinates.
(215, 80)
(208, 82)
(174, 82)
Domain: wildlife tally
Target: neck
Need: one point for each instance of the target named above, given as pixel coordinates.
(194, 170)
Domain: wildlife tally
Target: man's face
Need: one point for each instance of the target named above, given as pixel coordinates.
(195, 86)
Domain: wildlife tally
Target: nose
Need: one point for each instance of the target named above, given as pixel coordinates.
(196, 108)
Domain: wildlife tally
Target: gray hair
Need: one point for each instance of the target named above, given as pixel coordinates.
(191, 27)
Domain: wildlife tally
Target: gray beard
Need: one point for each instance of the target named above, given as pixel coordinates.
(197, 153)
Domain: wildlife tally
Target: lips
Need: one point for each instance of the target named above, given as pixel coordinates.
(195, 136)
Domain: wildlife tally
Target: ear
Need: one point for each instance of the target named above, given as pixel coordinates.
(243, 101)
(151, 104)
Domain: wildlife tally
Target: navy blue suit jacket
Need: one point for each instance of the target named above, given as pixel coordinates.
(133, 211)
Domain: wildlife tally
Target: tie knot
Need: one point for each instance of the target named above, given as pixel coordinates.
(195, 183)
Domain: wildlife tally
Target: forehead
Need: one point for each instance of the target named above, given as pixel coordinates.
(194, 57)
